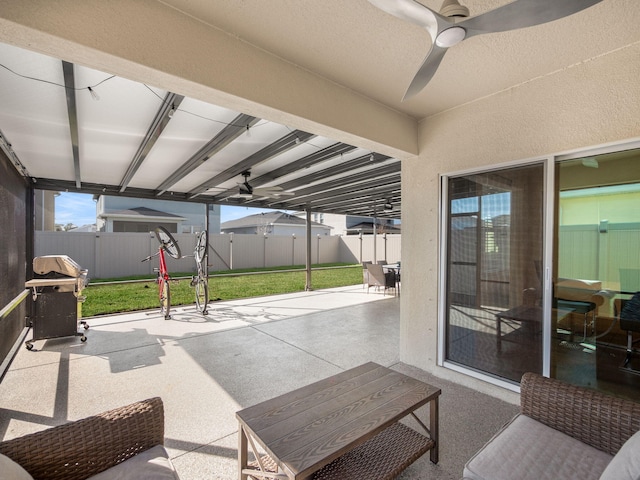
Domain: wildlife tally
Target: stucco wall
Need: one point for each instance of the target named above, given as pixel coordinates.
(590, 104)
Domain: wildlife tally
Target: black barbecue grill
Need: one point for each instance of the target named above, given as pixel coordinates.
(56, 291)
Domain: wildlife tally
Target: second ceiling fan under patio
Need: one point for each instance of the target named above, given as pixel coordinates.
(245, 190)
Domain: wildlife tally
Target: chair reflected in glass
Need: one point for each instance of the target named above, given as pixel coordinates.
(378, 278)
(629, 314)
(583, 298)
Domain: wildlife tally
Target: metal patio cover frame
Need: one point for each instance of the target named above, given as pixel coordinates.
(73, 128)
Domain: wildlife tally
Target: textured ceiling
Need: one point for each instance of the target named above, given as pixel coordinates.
(356, 45)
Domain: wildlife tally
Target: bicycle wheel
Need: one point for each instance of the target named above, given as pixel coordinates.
(165, 298)
(202, 295)
(168, 242)
(201, 247)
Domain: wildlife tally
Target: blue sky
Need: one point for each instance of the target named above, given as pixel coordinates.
(80, 209)
(76, 208)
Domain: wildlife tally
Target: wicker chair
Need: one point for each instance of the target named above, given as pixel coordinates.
(559, 425)
(378, 278)
(629, 313)
(365, 273)
(86, 447)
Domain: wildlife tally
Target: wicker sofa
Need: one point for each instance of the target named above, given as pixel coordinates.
(563, 431)
(124, 443)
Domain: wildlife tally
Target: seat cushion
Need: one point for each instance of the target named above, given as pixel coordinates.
(10, 470)
(626, 463)
(152, 464)
(529, 450)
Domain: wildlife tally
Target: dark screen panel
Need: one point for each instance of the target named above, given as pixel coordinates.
(16, 241)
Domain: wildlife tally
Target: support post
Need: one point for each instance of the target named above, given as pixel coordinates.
(375, 230)
(293, 249)
(205, 260)
(308, 286)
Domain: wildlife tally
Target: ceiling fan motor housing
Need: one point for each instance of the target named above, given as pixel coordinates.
(451, 8)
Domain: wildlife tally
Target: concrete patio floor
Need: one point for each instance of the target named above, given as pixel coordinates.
(207, 368)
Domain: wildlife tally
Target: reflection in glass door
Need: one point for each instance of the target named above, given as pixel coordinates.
(598, 272)
(494, 308)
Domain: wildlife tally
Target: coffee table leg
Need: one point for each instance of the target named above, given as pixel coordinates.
(433, 427)
(242, 453)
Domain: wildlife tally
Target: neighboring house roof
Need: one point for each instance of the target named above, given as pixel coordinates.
(268, 218)
(140, 213)
(84, 228)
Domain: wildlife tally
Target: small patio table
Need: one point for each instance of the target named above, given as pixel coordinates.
(345, 426)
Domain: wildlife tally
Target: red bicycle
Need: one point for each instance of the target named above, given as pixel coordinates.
(168, 244)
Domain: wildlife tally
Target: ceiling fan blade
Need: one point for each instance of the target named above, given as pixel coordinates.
(271, 192)
(522, 14)
(426, 71)
(414, 12)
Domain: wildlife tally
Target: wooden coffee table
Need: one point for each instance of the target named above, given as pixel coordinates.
(345, 426)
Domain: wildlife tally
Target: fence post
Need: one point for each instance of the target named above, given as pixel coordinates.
(384, 235)
(264, 250)
(293, 249)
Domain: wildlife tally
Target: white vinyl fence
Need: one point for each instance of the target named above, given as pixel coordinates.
(113, 255)
(607, 254)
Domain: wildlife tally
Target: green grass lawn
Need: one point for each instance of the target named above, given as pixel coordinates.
(127, 297)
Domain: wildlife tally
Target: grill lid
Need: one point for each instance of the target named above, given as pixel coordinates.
(61, 264)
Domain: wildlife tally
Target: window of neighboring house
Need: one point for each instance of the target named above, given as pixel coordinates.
(142, 227)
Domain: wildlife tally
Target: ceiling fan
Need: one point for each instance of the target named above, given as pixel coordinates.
(245, 190)
(446, 31)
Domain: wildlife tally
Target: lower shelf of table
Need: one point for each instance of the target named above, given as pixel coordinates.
(383, 457)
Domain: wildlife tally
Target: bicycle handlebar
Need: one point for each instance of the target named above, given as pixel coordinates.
(150, 257)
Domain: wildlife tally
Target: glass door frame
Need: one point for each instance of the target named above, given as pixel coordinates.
(547, 164)
(443, 207)
(549, 231)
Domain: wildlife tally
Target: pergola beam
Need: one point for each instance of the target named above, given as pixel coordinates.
(228, 134)
(170, 103)
(344, 167)
(302, 163)
(278, 147)
(351, 180)
(346, 193)
(72, 111)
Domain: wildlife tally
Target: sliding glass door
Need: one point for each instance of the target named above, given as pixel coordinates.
(596, 341)
(541, 271)
(494, 300)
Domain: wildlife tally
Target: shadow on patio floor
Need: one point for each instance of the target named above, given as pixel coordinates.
(207, 368)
